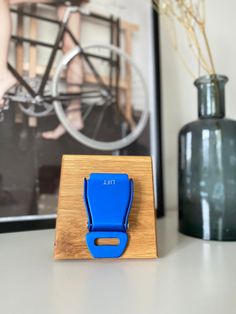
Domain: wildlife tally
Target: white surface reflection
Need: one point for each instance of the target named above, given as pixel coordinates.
(205, 147)
(205, 219)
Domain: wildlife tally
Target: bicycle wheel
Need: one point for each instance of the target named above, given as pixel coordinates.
(112, 98)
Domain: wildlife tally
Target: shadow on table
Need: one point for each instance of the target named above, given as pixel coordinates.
(169, 240)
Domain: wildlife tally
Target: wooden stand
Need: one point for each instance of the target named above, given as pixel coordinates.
(71, 226)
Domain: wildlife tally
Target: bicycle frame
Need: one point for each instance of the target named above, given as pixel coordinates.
(63, 29)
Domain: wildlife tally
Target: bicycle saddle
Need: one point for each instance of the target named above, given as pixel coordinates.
(108, 199)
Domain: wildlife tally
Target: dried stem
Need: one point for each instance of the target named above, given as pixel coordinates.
(190, 15)
(208, 50)
(172, 35)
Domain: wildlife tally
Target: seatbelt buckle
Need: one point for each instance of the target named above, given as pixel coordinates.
(108, 199)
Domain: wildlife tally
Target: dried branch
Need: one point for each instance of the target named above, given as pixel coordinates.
(190, 16)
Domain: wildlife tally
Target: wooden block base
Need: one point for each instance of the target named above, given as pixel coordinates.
(71, 226)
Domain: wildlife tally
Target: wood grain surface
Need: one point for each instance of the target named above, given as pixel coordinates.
(71, 225)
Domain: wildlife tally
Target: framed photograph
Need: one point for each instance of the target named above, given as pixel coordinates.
(86, 81)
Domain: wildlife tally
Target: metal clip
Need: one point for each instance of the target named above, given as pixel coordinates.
(108, 199)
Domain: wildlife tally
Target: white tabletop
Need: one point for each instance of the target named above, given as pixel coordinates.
(191, 276)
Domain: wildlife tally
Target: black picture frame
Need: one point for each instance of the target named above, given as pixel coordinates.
(34, 222)
(27, 223)
(158, 152)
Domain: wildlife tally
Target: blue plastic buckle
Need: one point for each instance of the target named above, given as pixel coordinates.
(108, 198)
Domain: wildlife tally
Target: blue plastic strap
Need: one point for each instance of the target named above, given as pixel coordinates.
(106, 251)
(108, 200)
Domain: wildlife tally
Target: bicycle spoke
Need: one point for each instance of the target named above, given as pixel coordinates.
(46, 105)
(89, 110)
(31, 108)
(101, 117)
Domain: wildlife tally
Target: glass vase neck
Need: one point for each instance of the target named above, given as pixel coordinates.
(211, 96)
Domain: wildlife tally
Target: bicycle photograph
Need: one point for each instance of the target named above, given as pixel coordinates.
(86, 94)
(108, 89)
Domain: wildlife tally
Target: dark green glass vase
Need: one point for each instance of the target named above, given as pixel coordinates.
(207, 167)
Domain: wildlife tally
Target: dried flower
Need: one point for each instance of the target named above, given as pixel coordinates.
(190, 15)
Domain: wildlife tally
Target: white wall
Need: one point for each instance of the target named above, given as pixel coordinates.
(178, 92)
